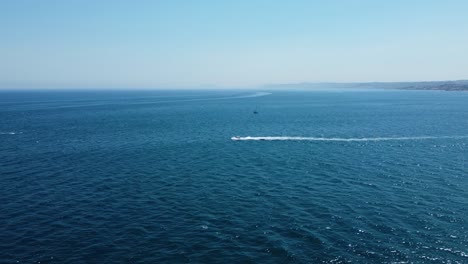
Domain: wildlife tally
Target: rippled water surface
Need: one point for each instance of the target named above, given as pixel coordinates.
(156, 177)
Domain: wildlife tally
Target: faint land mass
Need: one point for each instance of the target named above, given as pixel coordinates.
(459, 85)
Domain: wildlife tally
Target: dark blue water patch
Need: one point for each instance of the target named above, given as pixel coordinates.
(132, 179)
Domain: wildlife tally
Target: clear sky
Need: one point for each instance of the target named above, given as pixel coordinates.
(239, 43)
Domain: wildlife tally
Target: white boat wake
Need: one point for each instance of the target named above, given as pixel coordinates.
(127, 102)
(8, 133)
(257, 94)
(344, 139)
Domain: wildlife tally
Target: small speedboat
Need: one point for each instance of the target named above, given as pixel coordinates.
(236, 138)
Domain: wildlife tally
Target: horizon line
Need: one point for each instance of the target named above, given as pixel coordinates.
(209, 86)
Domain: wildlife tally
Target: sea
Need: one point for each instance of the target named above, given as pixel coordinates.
(326, 176)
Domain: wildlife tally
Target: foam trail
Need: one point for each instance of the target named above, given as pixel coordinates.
(7, 133)
(257, 94)
(251, 95)
(345, 139)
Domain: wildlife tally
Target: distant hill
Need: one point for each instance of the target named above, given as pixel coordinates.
(459, 85)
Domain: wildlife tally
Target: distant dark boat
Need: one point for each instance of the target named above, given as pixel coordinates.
(255, 111)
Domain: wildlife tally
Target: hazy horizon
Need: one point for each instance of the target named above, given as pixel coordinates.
(242, 44)
(268, 86)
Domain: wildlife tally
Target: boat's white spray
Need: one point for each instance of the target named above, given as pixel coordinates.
(283, 138)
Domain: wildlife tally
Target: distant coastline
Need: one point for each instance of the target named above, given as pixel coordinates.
(458, 85)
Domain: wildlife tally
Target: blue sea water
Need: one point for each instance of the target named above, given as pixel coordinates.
(154, 177)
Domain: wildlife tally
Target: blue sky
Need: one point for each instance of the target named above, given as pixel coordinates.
(242, 43)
